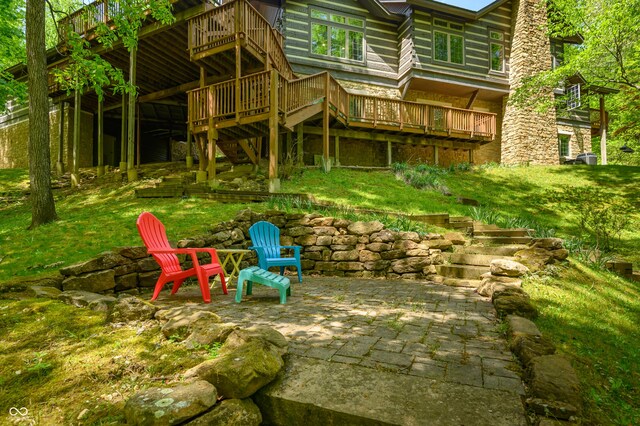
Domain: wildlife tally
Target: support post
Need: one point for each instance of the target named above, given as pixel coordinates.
(603, 132)
(274, 180)
(60, 163)
(325, 125)
(389, 156)
(138, 118)
(436, 160)
(77, 106)
(337, 149)
(189, 149)
(471, 156)
(299, 139)
(100, 170)
(132, 173)
(212, 140)
(123, 135)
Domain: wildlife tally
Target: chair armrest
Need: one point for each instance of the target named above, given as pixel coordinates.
(296, 249)
(259, 250)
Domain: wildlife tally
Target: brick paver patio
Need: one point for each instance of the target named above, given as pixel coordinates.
(408, 327)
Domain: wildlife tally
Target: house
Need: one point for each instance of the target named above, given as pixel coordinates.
(350, 82)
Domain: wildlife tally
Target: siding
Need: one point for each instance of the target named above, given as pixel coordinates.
(380, 40)
(476, 45)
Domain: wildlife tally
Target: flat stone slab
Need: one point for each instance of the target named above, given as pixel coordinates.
(316, 392)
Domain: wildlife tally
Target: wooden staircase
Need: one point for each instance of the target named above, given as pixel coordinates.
(265, 91)
(466, 265)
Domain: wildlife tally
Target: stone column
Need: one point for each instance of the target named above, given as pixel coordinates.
(529, 136)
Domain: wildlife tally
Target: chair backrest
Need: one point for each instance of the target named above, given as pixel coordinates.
(266, 235)
(154, 236)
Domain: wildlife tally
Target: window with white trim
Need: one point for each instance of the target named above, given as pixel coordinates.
(496, 51)
(448, 41)
(336, 35)
(573, 96)
(564, 147)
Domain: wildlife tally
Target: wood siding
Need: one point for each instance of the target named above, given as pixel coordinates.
(476, 45)
(381, 58)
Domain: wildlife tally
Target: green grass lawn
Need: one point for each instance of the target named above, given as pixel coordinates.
(591, 314)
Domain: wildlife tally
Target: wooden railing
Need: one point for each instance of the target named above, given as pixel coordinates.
(238, 20)
(87, 19)
(354, 110)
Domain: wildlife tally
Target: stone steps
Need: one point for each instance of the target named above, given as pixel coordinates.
(462, 271)
(501, 240)
(473, 258)
(460, 282)
(515, 232)
(314, 392)
(506, 250)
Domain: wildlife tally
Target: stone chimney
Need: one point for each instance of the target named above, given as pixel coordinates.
(529, 136)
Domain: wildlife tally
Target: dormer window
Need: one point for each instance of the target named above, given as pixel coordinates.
(573, 96)
(448, 41)
(336, 35)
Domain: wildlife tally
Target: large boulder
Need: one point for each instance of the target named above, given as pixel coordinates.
(183, 321)
(170, 405)
(514, 304)
(507, 268)
(534, 258)
(257, 332)
(238, 372)
(206, 334)
(85, 299)
(554, 384)
(547, 243)
(231, 412)
(131, 309)
(490, 284)
(103, 261)
(93, 281)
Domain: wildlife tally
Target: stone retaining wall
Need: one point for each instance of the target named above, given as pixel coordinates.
(330, 246)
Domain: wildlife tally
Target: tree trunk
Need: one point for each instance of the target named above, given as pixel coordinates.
(43, 207)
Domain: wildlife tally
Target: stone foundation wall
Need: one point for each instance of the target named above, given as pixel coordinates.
(330, 247)
(580, 139)
(14, 139)
(529, 136)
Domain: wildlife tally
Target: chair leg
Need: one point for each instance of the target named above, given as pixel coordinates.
(299, 273)
(223, 282)
(283, 296)
(282, 270)
(162, 280)
(204, 286)
(239, 290)
(176, 285)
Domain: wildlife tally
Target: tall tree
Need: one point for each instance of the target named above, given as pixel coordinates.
(42, 204)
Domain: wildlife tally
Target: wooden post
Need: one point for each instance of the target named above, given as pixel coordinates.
(123, 135)
(212, 139)
(100, 170)
(60, 163)
(274, 180)
(299, 139)
(337, 149)
(471, 156)
(603, 132)
(189, 149)
(325, 126)
(132, 173)
(238, 17)
(436, 161)
(138, 118)
(77, 106)
(389, 152)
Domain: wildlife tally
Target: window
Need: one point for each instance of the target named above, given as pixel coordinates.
(447, 45)
(573, 97)
(563, 145)
(496, 50)
(336, 35)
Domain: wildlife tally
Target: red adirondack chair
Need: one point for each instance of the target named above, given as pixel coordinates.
(154, 236)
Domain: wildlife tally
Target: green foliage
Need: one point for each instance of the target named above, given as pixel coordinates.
(602, 216)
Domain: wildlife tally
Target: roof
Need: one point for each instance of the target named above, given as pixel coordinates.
(450, 9)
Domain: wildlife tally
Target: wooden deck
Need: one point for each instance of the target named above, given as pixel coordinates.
(247, 100)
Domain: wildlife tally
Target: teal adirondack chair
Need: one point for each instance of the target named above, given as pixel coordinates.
(265, 237)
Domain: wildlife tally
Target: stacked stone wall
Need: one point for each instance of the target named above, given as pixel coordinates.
(529, 136)
(329, 246)
(580, 140)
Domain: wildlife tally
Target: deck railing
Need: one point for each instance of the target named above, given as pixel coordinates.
(238, 19)
(87, 19)
(354, 110)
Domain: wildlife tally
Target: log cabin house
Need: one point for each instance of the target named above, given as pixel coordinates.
(351, 82)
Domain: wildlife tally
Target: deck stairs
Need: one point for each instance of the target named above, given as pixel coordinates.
(265, 86)
(465, 266)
